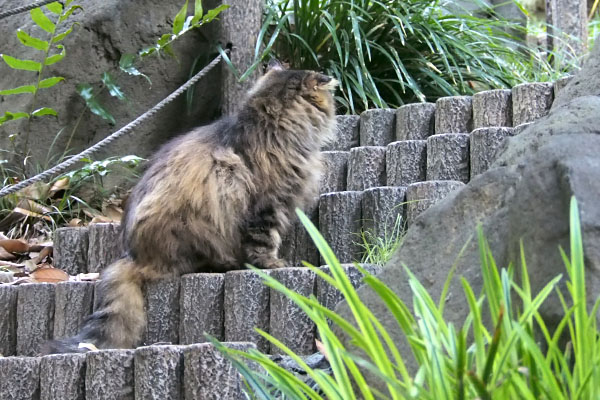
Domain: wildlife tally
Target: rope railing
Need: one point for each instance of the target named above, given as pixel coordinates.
(109, 139)
(22, 9)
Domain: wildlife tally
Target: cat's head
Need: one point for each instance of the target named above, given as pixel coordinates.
(280, 87)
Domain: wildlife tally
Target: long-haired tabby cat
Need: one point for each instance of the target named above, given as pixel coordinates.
(216, 198)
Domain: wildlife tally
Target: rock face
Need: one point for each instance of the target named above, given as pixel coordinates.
(107, 30)
(524, 195)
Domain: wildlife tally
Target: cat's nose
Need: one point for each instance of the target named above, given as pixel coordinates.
(324, 78)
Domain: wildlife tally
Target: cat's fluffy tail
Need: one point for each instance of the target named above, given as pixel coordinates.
(120, 319)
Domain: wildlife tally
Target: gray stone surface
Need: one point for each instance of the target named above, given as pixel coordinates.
(35, 317)
(531, 101)
(560, 84)
(62, 376)
(366, 167)
(415, 121)
(70, 250)
(383, 211)
(406, 162)
(567, 26)
(330, 296)
(340, 223)
(8, 320)
(109, 374)
(448, 157)
(105, 246)
(208, 376)
(109, 29)
(246, 308)
(335, 171)
(296, 245)
(201, 307)
(484, 145)
(288, 322)
(20, 378)
(158, 372)
(454, 114)
(73, 303)
(377, 127)
(492, 108)
(346, 134)
(161, 302)
(422, 195)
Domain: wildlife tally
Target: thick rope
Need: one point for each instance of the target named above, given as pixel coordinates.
(20, 10)
(124, 130)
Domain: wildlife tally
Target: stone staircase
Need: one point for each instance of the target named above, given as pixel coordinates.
(382, 164)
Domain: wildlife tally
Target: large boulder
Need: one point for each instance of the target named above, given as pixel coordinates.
(524, 196)
(107, 29)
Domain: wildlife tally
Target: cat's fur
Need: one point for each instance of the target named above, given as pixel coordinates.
(216, 198)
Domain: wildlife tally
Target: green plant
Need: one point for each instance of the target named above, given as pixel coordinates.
(378, 249)
(466, 362)
(389, 52)
(51, 52)
(79, 194)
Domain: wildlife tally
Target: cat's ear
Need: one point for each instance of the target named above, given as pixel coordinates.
(275, 65)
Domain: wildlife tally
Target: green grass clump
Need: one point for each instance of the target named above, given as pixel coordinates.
(387, 53)
(516, 356)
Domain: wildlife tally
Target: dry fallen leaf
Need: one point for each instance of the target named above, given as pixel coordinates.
(100, 219)
(59, 185)
(51, 275)
(75, 222)
(15, 245)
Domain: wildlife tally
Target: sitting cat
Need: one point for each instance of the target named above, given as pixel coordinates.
(216, 198)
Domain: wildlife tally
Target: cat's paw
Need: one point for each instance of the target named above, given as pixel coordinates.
(275, 264)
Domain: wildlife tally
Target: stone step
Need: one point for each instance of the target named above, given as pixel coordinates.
(179, 310)
(453, 114)
(196, 371)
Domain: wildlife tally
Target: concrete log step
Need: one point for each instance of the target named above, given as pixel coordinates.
(346, 134)
(415, 121)
(162, 302)
(405, 162)
(454, 114)
(288, 322)
(366, 167)
(20, 378)
(340, 222)
(383, 210)
(329, 296)
(35, 317)
(531, 101)
(73, 303)
(105, 246)
(246, 307)
(109, 375)
(448, 157)
(492, 108)
(377, 127)
(62, 376)
(71, 250)
(8, 320)
(296, 245)
(201, 306)
(484, 145)
(335, 171)
(422, 195)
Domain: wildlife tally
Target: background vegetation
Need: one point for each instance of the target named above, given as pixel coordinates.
(390, 52)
